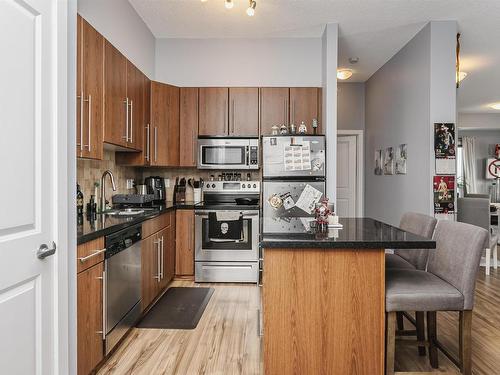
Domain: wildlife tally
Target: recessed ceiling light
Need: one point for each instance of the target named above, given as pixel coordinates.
(353, 60)
(229, 4)
(495, 106)
(344, 74)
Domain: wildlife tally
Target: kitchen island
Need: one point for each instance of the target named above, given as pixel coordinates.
(324, 296)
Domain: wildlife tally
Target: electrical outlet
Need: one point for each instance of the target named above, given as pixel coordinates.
(130, 183)
(167, 182)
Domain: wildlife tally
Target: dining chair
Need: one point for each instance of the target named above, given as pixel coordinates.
(447, 285)
(476, 211)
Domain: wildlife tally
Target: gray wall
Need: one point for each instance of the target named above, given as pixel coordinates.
(118, 22)
(401, 106)
(351, 106)
(239, 62)
(485, 148)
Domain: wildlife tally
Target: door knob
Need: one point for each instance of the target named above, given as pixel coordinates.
(44, 251)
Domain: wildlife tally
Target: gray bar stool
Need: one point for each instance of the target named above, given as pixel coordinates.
(422, 225)
(447, 285)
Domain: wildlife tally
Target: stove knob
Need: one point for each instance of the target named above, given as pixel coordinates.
(243, 186)
(213, 186)
(254, 186)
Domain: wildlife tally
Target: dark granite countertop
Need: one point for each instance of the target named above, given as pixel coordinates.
(357, 233)
(102, 225)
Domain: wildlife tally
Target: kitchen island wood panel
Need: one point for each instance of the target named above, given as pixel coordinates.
(324, 311)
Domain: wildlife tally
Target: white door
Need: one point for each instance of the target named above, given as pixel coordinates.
(346, 176)
(28, 119)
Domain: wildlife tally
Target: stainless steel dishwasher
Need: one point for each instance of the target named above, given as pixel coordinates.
(122, 287)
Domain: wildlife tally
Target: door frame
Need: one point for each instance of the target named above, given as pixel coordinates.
(360, 167)
(64, 193)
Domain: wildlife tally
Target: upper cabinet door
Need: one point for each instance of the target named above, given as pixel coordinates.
(188, 128)
(274, 107)
(79, 86)
(116, 109)
(244, 111)
(135, 94)
(93, 88)
(304, 106)
(213, 111)
(159, 123)
(172, 140)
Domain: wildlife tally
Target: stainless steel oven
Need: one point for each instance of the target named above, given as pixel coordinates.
(228, 153)
(227, 261)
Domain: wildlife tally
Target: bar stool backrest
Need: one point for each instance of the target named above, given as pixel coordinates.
(420, 224)
(456, 259)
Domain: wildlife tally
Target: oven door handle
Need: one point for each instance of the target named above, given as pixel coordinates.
(204, 214)
(220, 240)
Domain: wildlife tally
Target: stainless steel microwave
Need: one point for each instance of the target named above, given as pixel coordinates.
(228, 153)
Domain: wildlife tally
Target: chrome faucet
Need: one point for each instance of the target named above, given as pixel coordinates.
(102, 204)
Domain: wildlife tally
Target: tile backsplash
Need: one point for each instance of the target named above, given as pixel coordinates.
(90, 172)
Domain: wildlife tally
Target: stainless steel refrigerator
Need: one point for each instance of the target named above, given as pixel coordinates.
(293, 175)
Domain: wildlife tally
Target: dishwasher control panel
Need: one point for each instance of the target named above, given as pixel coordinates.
(123, 239)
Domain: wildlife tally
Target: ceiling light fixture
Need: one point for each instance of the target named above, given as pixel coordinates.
(353, 60)
(461, 76)
(344, 74)
(204, 1)
(251, 8)
(229, 4)
(495, 106)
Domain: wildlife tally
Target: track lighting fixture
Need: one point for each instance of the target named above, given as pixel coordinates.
(251, 7)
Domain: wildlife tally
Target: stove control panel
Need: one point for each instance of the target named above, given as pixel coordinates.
(232, 186)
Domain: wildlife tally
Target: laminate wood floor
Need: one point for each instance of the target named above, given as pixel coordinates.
(226, 341)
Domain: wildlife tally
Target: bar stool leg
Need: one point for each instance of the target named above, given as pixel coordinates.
(420, 318)
(400, 320)
(465, 330)
(431, 336)
(390, 343)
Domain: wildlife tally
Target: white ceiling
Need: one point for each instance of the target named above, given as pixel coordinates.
(373, 30)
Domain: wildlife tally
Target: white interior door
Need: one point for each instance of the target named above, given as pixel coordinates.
(346, 176)
(28, 119)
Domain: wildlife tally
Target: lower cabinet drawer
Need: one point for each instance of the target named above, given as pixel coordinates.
(89, 254)
(226, 272)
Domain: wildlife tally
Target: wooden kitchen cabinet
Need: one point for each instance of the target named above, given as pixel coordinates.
(116, 128)
(90, 87)
(164, 125)
(141, 158)
(184, 242)
(188, 128)
(274, 108)
(89, 254)
(304, 106)
(149, 270)
(135, 94)
(213, 111)
(90, 344)
(243, 111)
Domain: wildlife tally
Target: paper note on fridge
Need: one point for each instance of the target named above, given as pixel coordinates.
(297, 157)
(308, 199)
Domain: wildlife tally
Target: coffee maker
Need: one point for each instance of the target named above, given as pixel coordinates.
(156, 185)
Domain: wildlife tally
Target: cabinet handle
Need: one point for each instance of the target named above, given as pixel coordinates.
(148, 141)
(156, 143)
(284, 111)
(126, 120)
(81, 122)
(90, 118)
(131, 121)
(162, 257)
(103, 278)
(157, 243)
(232, 125)
(95, 253)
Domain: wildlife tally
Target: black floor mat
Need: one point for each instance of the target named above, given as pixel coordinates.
(178, 308)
